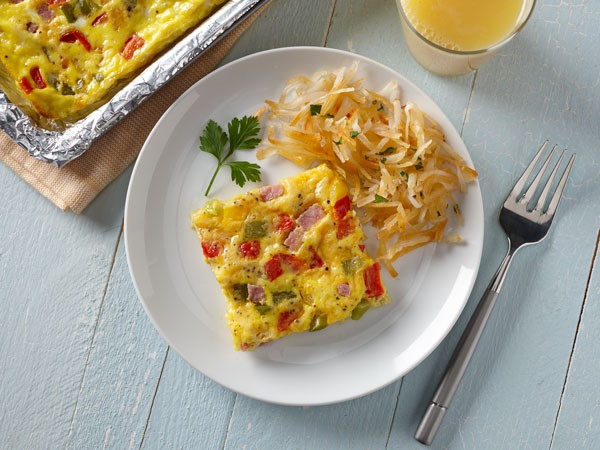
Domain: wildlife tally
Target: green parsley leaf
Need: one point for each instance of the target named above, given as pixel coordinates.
(354, 134)
(213, 139)
(404, 175)
(380, 199)
(387, 151)
(337, 142)
(380, 108)
(329, 115)
(419, 164)
(242, 133)
(315, 109)
(242, 136)
(242, 171)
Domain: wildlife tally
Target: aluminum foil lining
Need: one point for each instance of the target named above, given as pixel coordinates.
(61, 147)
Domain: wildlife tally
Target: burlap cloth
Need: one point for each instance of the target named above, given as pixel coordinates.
(74, 186)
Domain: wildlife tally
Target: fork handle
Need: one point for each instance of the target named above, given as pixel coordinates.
(432, 419)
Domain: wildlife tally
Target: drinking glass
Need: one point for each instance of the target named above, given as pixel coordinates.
(448, 62)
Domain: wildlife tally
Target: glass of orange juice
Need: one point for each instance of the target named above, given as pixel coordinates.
(453, 37)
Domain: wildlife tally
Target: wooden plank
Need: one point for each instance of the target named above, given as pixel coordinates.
(189, 411)
(578, 424)
(362, 423)
(510, 395)
(122, 371)
(285, 24)
(53, 273)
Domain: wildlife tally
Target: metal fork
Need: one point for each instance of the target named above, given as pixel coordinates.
(524, 225)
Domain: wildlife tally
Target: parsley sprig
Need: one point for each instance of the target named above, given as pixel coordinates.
(241, 136)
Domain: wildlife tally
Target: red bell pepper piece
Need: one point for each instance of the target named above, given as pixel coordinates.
(102, 18)
(25, 85)
(285, 319)
(315, 259)
(293, 263)
(72, 36)
(250, 249)
(132, 44)
(284, 223)
(273, 268)
(372, 279)
(344, 227)
(211, 249)
(341, 208)
(37, 78)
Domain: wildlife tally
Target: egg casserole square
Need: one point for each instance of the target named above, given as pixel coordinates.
(61, 59)
(289, 258)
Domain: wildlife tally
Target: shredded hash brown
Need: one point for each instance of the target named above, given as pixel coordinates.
(399, 169)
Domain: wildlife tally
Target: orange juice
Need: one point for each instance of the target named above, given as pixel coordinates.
(464, 25)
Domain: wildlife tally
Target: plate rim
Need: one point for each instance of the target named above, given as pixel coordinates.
(476, 190)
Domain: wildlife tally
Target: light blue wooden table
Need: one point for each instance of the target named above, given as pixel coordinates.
(82, 367)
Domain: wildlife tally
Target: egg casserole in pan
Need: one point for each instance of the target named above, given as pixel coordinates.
(61, 59)
(289, 258)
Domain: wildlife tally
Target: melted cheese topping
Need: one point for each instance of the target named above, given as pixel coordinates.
(61, 59)
(310, 291)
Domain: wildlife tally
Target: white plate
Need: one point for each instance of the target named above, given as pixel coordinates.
(183, 300)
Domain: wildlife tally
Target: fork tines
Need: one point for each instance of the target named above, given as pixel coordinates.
(524, 198)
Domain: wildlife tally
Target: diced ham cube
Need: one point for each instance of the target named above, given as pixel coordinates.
(310, 217)
(31, 27)
(294, 239)
(256, 294)
(45, 12)
(343, 289)
(268, 193)
(305, 221)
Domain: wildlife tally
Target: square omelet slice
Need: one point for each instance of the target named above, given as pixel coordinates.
(61, 59)
(289, 258)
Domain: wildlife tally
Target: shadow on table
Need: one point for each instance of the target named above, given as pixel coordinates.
(107, 210)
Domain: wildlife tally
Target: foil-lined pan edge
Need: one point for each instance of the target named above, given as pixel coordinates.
(61, 147)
